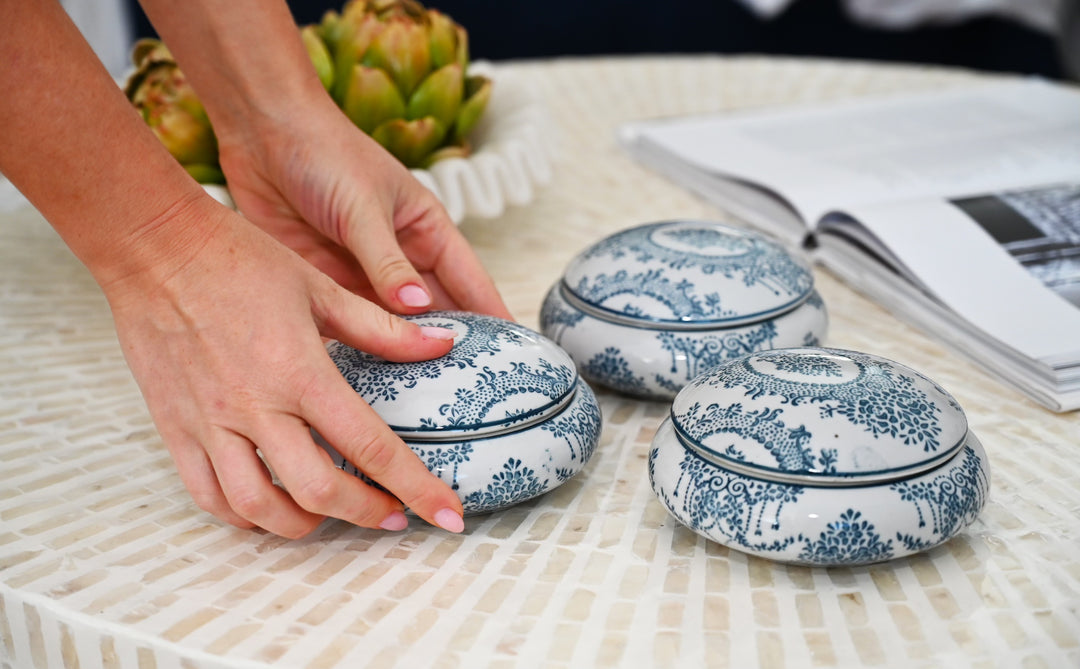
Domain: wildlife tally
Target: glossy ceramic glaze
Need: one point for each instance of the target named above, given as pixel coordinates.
(646, 310)
(819, 456)
(502, 418)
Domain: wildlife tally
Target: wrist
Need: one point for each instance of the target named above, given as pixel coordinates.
(156, 247)
(244, 58)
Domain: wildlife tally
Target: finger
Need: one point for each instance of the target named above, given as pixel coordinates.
(363, 325)
(251, 493)
(456, 267)
(393, 277)
(310, 477)
(357, 432)
(197, 474)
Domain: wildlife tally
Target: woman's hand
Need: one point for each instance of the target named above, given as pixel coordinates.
(221, 324)
(333, 195)
(224, 341)
(328, 191)
(298, 168)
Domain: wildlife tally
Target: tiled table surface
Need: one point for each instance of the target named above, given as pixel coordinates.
(105, 562)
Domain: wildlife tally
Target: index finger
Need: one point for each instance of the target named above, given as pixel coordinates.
(466, 281)
(360, 435)
(455, 265)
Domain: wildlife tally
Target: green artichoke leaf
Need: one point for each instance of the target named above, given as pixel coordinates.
(149, 50)
(410, 141)
(477, 95)
(174, 113)
(205, 174)
(439, 95)
(188, 138)
(444, 39)
(331, 29)
(357, 32)
(401, 48)
(462, 47)
(319, 55)
(371, 98)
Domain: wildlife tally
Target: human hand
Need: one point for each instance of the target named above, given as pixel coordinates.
(224, 340)
(332, 194)
(302, 171)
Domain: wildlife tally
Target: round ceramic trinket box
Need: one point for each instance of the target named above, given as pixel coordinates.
(647, 309)
(502, 418)
(820, 457)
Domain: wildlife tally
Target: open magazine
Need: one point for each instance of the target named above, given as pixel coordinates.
(958, 210)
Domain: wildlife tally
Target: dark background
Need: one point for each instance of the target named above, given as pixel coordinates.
(505, 29)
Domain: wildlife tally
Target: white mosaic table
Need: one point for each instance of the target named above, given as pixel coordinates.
(106, 563)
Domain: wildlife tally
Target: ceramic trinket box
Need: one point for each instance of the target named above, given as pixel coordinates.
(820, 457)
(647, 309)
(502, 418)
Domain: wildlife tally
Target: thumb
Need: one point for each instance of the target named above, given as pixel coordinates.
(365, 326)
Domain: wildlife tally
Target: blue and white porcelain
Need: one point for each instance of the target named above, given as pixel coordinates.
(820, 457)
(502, 418)
(647, 309)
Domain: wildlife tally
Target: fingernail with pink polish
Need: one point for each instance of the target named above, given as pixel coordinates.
(432, 332)
(395, 522)
(450, 520)
(413, 295)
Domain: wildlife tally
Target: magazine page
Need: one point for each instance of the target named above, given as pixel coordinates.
(1039, 382)
(971, 139)
(1008, 263)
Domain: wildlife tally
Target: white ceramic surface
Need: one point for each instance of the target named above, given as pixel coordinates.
(649, 308)
(502, 418)
(819, 456)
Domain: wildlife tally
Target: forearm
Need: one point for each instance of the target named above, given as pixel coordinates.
(244, 58)
(78, 150)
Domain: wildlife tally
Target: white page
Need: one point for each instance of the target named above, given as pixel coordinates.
(974, 139)
(908, 303)
(974, 276)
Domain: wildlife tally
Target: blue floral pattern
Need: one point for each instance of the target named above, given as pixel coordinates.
(848, 540)
(695, 293)
(788, 445)
(708, 248)
(702, 352)
(947, 499)
(690, 354)
(611, 369)
(514, 484)
(443, 458)
(879, 400)
(711, 500)
(748, 513)
(809, 365)
(495, 377)
(579, 427)
(678, 297)
(502, 418)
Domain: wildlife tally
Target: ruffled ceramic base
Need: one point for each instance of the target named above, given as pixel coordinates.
(513, 154)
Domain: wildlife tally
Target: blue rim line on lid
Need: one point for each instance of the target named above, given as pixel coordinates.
(812, 477)
(457, 436)
(620, 318)
(490, 428)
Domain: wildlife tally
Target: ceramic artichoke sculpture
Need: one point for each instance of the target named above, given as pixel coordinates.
(397, 69)
(161, 93)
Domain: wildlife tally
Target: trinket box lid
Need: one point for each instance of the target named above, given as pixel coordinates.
(686, 275)
(499, 376)
(820, 417)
